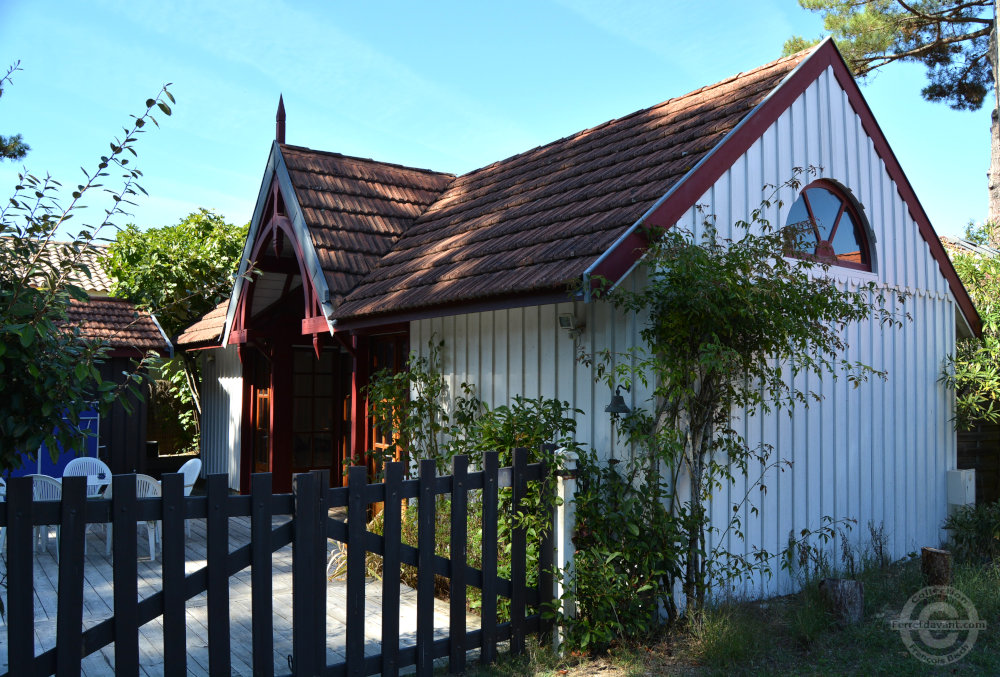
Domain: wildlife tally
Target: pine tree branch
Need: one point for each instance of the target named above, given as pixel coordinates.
(865, 63)
(948, 15)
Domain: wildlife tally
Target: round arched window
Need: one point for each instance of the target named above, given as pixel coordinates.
(828, 226)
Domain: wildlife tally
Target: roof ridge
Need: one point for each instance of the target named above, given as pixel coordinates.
(354, 158)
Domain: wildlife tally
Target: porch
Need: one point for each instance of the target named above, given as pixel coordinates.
(98, 606)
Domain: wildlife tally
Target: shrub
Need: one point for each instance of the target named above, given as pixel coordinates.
(975, 532)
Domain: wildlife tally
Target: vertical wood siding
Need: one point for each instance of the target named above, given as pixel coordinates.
(877, 453)
(222, 402)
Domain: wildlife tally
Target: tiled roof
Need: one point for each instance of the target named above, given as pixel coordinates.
(207, 330)
(356, 209)
(98, 283)
(117, 322)
(535, 222)
(956, 245)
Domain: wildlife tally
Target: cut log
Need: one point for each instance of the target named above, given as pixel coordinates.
(846, 599)
(935, 565)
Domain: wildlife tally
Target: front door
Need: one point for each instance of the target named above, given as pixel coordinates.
(321, 410)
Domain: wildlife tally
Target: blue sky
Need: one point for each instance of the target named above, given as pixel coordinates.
(449, 86)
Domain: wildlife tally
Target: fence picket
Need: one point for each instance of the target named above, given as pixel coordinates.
(303, 547)
(172, 575)
(488, 620)
(459, 558)
(262, 612)
(425, 569)
(20, 570)
(357, 515)
(546, 554)
(73, 530)
(392, 535)
(518, 555)
(126, 573)
(217, 551)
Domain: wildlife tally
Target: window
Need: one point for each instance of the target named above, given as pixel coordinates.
(828, 226)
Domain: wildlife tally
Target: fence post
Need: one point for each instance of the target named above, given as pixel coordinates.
(564, 527)
(303, 579)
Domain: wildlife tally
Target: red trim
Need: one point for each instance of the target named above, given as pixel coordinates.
(381, 322)
(315, 325)
(359, 403)
(691, 188)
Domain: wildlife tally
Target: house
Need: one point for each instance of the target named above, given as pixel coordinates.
(129, 333)
(362, 261)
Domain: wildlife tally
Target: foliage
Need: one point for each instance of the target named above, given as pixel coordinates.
(179, 273)
(48, 373)
(12, 147)
(951, 38)
(730, 325)
(974, 371)
(626, 554)
(975, 532)
(412, 407)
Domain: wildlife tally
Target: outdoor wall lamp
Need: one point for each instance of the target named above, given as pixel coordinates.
(617, 407)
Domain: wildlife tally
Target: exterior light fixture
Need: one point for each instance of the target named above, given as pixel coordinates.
(617, 407)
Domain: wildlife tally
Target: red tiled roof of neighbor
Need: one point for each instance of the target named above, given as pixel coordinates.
(534, 222)
(95, 281)
(118, 323)
(356, 209)
(207, 330)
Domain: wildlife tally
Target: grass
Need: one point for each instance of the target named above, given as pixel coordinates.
(792, 635)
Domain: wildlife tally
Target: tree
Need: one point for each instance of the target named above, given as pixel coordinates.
(730, 323)
(954, 39)
(179, 273)
(11, 147)
(48, 373)
(974, 371)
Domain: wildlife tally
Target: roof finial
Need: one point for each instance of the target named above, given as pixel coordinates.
(279, 121)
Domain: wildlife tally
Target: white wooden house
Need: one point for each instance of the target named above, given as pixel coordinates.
(364, 261)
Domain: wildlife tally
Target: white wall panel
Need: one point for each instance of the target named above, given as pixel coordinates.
(875, 453)
(222, 401)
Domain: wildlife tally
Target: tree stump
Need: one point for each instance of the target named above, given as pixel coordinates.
(935, 565)
(846, 598)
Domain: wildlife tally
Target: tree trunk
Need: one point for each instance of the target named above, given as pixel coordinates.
(993, 217)
(845, 597)
(935, 565)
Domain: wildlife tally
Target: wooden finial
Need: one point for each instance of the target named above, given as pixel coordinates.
(279, 121)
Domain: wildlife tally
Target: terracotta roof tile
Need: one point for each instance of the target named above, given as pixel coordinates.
(207, 330)
(356, 209)
(536, 221)
(118, 323)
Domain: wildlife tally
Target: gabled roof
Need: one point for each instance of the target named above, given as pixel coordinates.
(536, 221)
(356, 209)
(118, 324)
(389, 242)
(97, 283)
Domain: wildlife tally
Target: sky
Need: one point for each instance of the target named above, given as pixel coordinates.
(449, 86)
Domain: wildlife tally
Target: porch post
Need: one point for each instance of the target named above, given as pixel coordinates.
(563, 530)
(359, 413)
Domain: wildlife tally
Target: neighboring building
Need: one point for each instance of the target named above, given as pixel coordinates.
(979, 448)
(362, 261)
(129, 334)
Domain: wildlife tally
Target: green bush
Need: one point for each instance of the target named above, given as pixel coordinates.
(626, 554)
(975, 532)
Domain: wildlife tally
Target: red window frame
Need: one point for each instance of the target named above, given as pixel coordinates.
(824, 248)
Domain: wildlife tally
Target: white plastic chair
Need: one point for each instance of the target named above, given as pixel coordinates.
(145, 487)
(45, 488)
(191, 470)
(96, 471)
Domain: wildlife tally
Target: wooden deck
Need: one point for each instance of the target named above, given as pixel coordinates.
(98, 607)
